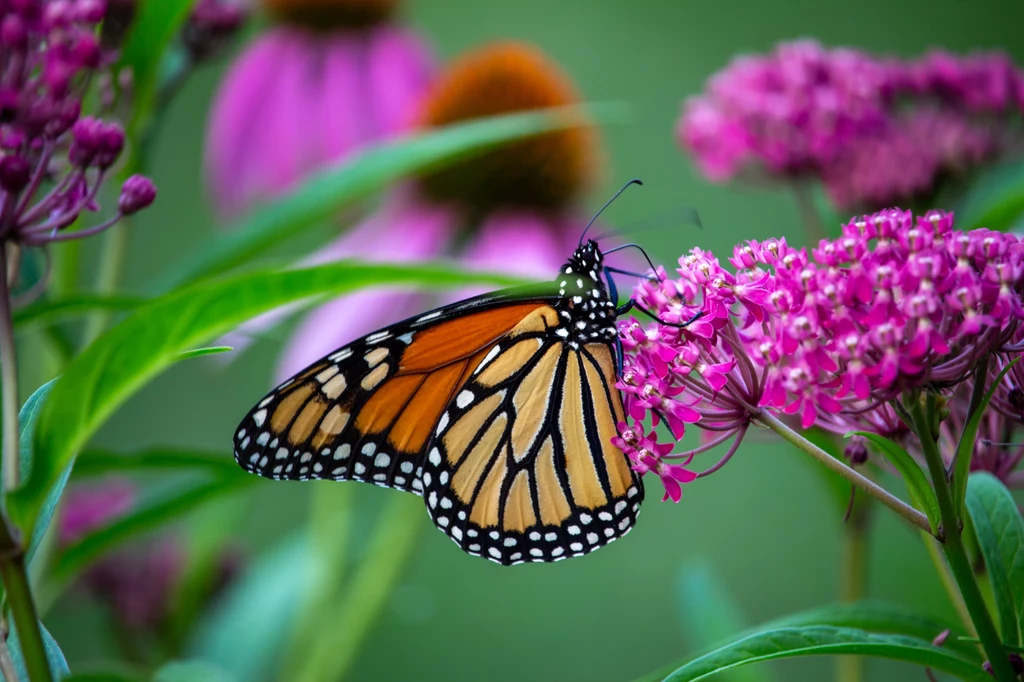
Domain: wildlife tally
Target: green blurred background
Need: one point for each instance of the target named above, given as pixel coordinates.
(765, 523)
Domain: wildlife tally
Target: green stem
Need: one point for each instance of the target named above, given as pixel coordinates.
(338, 645)
(330, 525)
(9, 373)
(953, 546)
(812, 219)
(23, 609)
(115, 245)
(948, 582)
(866, 484)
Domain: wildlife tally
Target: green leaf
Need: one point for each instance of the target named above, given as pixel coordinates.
(92, 463)
(54, 656)
(121, 361)
(995, 201)
(921, 493)
(27, 418)
(968, 439)
(882, 617)
(709, 614)
(325, 193)
(58, 310)
(245, 632)
(199, 352)
(1000, 531)
(156, 24)
(820, 640)
(168, 508)
(191, 671)
(874, 617)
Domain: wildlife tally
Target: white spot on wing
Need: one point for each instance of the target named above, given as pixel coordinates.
(259, 417)
(464, 399)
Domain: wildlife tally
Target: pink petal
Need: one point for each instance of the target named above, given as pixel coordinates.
(235, 117)
(401, 66)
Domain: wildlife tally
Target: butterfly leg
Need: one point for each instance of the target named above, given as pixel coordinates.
(648, 313)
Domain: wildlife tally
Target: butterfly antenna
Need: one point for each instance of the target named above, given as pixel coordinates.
(681, 215)
(634, 181)
(638, 248)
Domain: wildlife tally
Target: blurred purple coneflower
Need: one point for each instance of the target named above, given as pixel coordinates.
(834, 335)
(875, 131)
(514, 209)
(329, 77)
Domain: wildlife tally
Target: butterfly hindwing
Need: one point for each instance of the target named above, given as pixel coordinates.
(367, 411)
(522, 467)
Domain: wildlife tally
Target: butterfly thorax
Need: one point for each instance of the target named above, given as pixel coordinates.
(587, 311)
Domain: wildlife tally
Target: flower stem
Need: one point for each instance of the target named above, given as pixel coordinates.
(948, 582)
(12, 556)
(953, 546)
(853, 576)
(866, 484)
(811, 217)
(9, 372)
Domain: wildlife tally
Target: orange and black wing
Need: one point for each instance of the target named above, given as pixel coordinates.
(368, 410)
(521, 467)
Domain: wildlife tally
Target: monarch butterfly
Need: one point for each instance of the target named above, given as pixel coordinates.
(499, 410)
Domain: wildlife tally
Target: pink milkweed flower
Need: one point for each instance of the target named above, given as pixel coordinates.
(328, 78)
(875, 130)
(513, 210)
(890, 307)
(646, 454)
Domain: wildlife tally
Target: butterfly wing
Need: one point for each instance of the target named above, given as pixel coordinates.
(367, 411)
(522, 467)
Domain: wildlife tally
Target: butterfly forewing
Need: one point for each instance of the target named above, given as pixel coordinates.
(367, 411)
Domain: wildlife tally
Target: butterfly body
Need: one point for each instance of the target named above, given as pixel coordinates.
(498, 410)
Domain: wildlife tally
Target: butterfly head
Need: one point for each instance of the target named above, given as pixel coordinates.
(581, 274)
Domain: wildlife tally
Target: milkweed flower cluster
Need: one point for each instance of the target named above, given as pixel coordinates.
(829, 335)
(53, 161)
(874, 130)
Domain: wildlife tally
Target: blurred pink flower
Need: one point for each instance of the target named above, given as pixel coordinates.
(876, 131)
(88, 507)
(321, 84)
(513, 210)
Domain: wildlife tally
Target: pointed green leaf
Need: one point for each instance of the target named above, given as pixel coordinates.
(820, 640)
(968, 439)
(200, 352)
(50, 311)
(921, 493)
(27, 418)
(92, 463)
(1000, 531)
(154, 28)
(141, 346)
(326, 192)
(54, 656)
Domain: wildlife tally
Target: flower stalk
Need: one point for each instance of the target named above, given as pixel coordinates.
(832, 464)
(952, 543)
